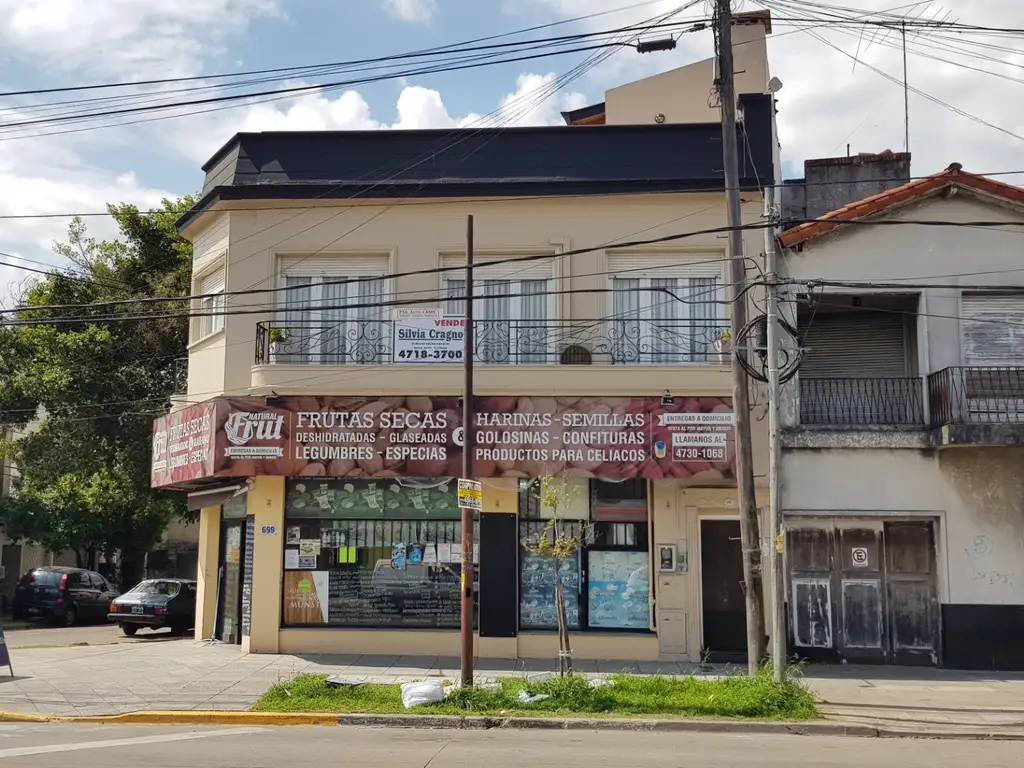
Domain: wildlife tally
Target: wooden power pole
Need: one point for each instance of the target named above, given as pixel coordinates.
(749, 529)
(468, 450)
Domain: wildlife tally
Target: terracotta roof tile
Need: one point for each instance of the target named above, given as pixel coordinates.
(918, 188)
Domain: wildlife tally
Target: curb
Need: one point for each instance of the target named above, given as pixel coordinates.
(453, 722)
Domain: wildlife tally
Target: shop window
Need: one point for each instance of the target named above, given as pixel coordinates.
(372, 553)
(607, 584)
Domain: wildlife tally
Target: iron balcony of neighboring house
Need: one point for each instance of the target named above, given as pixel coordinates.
(963, 405)
(977, 405)
(896, 401)
(511, 342)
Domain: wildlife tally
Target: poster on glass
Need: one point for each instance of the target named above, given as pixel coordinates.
(618, 590)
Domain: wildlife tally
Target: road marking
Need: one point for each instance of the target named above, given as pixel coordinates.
(111, 743)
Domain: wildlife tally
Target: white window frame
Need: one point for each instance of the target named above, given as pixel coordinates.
(521, 343)
(320, 336)
(638, 344)
(211, 285)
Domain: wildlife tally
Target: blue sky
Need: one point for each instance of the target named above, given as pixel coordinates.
(826, 101)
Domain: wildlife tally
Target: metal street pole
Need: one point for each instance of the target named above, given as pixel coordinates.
(749, 533)
(774, 456)
(468, 417)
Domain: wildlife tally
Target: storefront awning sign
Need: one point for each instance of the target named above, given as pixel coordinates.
(690, 439)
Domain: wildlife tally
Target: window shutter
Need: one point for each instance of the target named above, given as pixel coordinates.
(213, 282)
(535, 269)
(335, 265)
(992, 329)
(660, 265)
(855, 345)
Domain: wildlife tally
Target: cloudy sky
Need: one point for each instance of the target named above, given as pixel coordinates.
(967, 104)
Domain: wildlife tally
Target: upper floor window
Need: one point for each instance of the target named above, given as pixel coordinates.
(513, 310)
(664, 311)
(211, 306)
(333, 310)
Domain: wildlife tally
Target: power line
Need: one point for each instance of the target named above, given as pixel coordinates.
(279, 70)
(528, 258)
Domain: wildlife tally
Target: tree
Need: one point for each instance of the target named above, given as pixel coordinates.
(94, 382)
(559, 541)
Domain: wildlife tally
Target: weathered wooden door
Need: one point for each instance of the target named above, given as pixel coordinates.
(912, 594)
(864, 592)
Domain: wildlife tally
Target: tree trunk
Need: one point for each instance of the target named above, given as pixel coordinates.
(130, 570)
(564, 651)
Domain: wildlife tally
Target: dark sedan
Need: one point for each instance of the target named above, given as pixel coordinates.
(157, 604)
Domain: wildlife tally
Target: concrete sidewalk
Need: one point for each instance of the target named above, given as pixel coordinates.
(185, 675)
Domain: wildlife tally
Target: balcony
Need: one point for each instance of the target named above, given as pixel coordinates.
(502, 342)
(977, 405)
(862, 402)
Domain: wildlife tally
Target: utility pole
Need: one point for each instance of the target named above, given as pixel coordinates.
(749, 529)
(468, 417)
(774, 455)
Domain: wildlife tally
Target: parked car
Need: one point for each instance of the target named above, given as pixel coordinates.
(156, 603)
(63, 595)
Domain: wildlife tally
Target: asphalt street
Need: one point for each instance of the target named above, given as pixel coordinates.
(59, 746)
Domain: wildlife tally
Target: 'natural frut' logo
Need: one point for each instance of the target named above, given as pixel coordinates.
(242, 427)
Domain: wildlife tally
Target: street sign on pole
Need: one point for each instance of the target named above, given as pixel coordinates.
(471, 494)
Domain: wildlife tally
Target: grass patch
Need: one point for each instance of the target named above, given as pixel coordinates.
(735, 696)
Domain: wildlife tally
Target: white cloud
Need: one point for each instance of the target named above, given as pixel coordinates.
(133, 39)
(414, 11)
(535, 101)
(47, 176)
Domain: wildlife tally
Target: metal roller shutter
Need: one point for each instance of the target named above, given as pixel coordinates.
(993, 330)
(855, 345)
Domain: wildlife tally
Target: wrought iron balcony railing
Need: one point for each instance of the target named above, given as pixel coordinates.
(514, 342)
(862, 402)
(976, 395)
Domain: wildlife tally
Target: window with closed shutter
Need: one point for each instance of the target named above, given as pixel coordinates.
(664, 310)
(333, 310)
(992, 329)
(211, 306)
(857, 344)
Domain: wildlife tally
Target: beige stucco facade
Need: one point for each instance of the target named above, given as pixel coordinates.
(248, 242)
(415, 237)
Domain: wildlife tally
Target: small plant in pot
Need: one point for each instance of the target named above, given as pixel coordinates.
(278, 337)
(723, 346)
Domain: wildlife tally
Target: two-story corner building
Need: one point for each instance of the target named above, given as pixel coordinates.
(321, 429)
(902, 466)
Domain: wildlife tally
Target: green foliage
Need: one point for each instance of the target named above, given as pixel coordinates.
(84, 481)
(732, 696)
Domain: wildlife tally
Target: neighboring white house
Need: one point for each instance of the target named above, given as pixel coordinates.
(903, 465)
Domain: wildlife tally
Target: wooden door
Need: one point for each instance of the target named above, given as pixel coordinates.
(722, 600)
(811, 558)
(912, 593)
(861, 596)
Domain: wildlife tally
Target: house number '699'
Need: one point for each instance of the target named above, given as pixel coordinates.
(268, 530)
